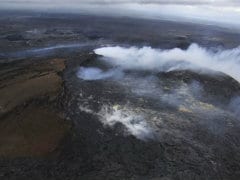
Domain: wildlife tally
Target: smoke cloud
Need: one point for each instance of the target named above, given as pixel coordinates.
(195, 58)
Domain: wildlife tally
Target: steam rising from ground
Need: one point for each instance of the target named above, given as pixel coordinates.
(235, 106)
(144, 85)
(97, 74)
(133, 122)
(194, 58)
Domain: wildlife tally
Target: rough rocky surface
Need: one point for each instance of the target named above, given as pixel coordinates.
(29, 124)
(53, 124)
(191, 141)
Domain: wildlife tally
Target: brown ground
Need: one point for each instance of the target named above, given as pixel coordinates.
(29, 122)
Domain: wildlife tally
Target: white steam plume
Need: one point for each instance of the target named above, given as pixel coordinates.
(194, 58)
(133, 122)
(97, 74)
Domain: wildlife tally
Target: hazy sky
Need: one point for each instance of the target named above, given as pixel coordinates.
(219, 12)
(213, 2)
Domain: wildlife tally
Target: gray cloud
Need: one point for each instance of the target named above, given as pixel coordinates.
(185, 2)
(215, 12)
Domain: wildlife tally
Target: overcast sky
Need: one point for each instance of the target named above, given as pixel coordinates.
(219, 12)
(189, 2)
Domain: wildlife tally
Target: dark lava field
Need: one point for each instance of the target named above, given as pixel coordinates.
(101, 98)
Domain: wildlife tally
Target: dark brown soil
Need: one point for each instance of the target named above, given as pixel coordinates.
(30, 123)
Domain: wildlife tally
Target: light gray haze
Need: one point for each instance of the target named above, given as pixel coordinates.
(224, 13)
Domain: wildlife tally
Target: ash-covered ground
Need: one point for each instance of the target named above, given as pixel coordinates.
(87, 97)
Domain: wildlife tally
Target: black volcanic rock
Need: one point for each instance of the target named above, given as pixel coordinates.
(218, 86)
(15, 37)
(198, 139)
